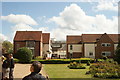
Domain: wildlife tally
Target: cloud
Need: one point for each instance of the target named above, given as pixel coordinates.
(21, 27)
(22, 23)
(24, 27)
(111, 6)
(19, 19)
(73, 20)
(3, 37)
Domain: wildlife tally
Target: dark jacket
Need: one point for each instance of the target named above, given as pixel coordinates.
(6, 64)
(11, 63)
(34, 76)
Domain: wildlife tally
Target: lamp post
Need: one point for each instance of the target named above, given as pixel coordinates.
(71, 52)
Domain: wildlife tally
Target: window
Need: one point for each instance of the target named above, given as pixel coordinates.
(105, 44)
(91, 53)
(30, 43)
(55, 45)
(17, 46)
(106, 53)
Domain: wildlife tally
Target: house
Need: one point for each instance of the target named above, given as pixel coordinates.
(58, 49)
(62, 51)
(91, 45)
(36, 41)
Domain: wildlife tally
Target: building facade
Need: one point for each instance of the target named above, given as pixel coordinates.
(58, 49)
(92, 45)
(36, 41)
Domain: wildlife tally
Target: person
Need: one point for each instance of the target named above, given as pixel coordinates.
(5, 68)
(2, 60)
(11, 66)
(35, 69)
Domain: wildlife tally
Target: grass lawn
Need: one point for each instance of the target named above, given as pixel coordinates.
(61, 72)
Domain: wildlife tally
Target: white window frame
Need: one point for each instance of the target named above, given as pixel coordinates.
(106, 52)
(106, 44)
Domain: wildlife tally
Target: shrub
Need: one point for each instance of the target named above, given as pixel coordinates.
(24, 55)
(10, 51)
(105, 58)
(38, 58)
(88, 63)
(105, 69)
(117, 53)
(16, 60)
(76, 65)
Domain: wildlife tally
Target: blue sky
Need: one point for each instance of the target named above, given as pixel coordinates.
(59, 18)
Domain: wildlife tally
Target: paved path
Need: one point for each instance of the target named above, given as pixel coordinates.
(22, 70)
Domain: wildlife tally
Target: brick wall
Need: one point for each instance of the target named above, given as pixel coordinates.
(23, 44)
(20, 43)
(99, 49)
(75, 55)
(37, 48)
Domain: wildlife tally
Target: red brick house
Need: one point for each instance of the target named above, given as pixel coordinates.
(92, 45)
(34, 40)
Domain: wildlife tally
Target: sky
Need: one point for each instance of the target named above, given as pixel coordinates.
(58, 18)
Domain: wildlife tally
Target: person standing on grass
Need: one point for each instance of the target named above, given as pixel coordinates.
(11, 66)
(35, 69)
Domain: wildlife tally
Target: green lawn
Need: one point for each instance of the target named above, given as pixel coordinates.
(60, 71)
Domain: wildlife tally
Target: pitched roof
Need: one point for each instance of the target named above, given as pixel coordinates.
(90, 38)
(46, 38)
(28, 35)
(114, 37)
(73, 39)
(93, 37)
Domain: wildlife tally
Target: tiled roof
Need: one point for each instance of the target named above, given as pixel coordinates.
(28, 35)
(90, 38)
(46, 38)
(114, 37)
(93, 37)
(73, 39)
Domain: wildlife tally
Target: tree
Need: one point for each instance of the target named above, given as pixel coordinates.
(117, 53)
(24, 55)
(7, 46)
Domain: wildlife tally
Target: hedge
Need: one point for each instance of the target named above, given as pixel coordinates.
(64, 61)
(16, 60)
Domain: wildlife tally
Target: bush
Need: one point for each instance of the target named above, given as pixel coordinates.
(117, 53)
(24, 55)
(76, 65)
(105, 69)
(38, 58)
(16, 60)
(105, 58)
(88, 63)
